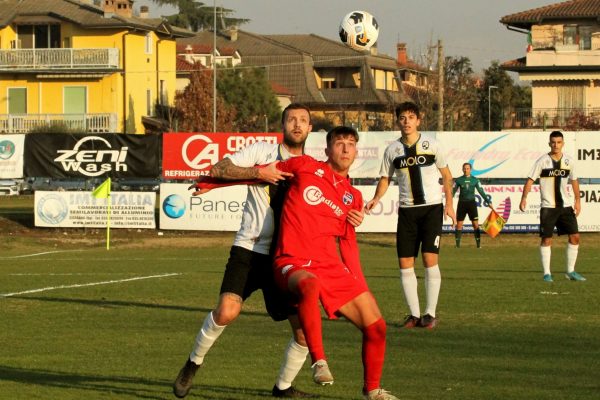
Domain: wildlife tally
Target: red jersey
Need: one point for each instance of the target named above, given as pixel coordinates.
(314, 214)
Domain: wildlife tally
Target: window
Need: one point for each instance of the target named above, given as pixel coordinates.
(17, 100)
(570, 35)
(148, 102)
(328, 83)
(585, 38)
(148, 43)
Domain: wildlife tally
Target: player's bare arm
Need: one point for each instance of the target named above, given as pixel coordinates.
(226, 169)
(576, 197)
(447, 182)
(382, 187)
(526, 190)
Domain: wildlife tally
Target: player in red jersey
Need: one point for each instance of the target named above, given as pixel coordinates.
(307, 257)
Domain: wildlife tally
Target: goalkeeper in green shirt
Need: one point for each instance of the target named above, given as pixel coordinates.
(466, 203)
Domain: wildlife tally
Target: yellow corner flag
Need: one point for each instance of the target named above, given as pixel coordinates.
(493, 224)
(103, 192)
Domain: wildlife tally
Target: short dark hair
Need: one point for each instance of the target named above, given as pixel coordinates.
(556, 134)
(408, 106)
(340, 131)
(294, 106)
(467, 163)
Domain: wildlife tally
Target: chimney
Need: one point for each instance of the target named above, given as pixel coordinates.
(374, 50)
(122, 8)
(401, 58)
(188, 49)
(144, 10)
(232, 33)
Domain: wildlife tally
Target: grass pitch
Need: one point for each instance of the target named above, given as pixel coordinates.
(81, 322)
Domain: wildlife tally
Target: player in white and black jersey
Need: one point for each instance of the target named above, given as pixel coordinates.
(417, 161)
(249, 267)
(559, 208)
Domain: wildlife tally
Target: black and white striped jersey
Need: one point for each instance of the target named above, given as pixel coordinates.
(417, 170)
(554, 178)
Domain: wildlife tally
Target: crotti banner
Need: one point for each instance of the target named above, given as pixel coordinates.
(190, 155)
(90, 156)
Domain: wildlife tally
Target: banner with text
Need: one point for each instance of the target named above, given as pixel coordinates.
(82, 210)
(90, 156)
(190, 155)
(221, 209)
(11, 156)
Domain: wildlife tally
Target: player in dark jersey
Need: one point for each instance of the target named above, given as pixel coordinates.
(314, 233)
(467, 184)
(559, 208)
(417, 161)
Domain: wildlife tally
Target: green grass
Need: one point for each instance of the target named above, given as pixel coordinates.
(504, 333)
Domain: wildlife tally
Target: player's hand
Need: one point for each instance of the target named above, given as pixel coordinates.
(198, 192)
(523, 205)
(370, 204)
(449, 213)
(355, 217)
(577, 208)
(271, 174)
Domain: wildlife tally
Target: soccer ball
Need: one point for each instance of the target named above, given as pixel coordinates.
(359, 30)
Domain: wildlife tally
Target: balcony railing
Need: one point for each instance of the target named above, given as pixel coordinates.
(572, 119)
(23, 123)
(58, 59)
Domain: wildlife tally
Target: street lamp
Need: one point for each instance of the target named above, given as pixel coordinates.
(490, 106)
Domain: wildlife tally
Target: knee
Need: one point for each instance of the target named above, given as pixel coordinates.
(299, 337)
(226, 312)
(574, 239)
(309, 287)
(376, 331)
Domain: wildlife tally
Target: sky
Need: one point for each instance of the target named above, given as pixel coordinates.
(468, 28)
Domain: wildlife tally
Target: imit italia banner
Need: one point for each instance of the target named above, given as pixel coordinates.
(190, 155)
(89, 156)
(11, 156)
(221, 209)
(82, 210)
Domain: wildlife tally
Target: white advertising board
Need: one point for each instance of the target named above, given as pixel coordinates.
(217, 210)
(82, 210)
(11, 156)
(221, 209)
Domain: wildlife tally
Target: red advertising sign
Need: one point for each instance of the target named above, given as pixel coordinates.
(190, 155)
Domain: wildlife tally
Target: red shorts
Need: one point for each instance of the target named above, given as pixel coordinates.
(338, 284)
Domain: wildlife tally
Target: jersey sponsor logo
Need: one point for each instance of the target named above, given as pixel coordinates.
(93, 162)
(313, 196)
(412, 161)
(347, 198)
(552, 172)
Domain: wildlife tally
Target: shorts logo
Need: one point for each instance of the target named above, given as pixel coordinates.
(313, 196)
(319, 173)
(286, 269)
(347, 199)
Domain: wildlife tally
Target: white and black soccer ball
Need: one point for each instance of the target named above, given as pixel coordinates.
(359, 30)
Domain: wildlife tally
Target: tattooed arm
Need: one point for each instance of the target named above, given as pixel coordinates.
(225, 169)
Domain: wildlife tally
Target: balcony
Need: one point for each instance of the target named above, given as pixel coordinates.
(563, 56)
(568, 119)
(58, 59)
(93, 123)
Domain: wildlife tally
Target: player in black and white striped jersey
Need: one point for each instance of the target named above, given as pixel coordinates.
(417, 161)
(559, 208)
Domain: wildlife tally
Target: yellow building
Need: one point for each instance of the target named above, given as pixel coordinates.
(92, 68)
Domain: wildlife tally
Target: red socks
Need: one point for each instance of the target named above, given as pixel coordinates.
(309, 314)
(373, 353)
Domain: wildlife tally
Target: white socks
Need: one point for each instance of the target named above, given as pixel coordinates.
(433, 282)
(545, 254)
(208, 334)
(572, 250)
(293, 359)
(409, 284)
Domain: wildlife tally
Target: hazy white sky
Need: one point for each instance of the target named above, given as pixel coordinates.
(466, 27)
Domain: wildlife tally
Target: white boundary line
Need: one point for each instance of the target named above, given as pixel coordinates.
(38, 254)
(137, 278)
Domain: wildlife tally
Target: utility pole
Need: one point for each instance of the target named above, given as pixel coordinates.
(440, 122)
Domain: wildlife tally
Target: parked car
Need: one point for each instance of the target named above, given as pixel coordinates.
(137, 185)
(9, 187)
